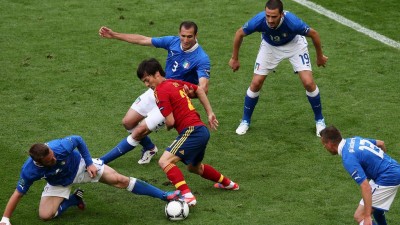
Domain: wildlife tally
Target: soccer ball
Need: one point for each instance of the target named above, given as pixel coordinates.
(176, 210)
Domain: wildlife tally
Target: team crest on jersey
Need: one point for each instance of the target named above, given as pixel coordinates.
(284, 35)
(62, 163)
(182, 152)
(186, 65)
(175, 84)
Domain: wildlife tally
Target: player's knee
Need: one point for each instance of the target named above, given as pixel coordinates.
(46, 215)
(127, 124)
(140, 131)
(194, 169)
(162, 163)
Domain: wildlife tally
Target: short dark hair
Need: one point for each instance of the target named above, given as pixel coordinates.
(274, 4)
(331, 134)
(187, 25)
(149, 67)
(39, 151)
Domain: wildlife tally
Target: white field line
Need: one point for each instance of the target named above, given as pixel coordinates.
(321, 10)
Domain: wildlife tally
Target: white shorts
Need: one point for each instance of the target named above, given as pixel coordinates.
(270, 56)
(146, 106)
(382, 196)
(82, 176)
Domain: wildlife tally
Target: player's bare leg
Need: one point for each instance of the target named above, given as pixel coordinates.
(313, 96)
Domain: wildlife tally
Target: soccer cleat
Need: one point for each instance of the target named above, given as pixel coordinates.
(172, 195)
(320, 125)
(243, 127)
(190, 200)
(79, 195)
(234, 187)
(147, 155)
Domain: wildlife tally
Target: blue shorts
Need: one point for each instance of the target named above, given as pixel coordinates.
(190, 145)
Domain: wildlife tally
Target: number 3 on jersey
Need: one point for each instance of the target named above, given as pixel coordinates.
(184, 95)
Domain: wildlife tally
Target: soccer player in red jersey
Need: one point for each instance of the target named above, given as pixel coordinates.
(190, 145)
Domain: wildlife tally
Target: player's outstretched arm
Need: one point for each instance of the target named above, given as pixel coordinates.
(138, 39)
(212, 119)
(237, 42)
(11, 205)
(321, 58)
(367, 197)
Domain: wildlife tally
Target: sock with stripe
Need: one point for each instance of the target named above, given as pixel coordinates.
(175, 175)
(212, 174)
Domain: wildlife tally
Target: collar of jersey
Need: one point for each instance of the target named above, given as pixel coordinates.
(340, 147)
(195, 46)
(280, 22)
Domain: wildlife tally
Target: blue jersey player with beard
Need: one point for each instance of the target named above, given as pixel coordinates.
(62, 163)
(186, 60)
(370, 167)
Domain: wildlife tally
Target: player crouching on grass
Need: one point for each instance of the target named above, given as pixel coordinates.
(189, 147)
(61, 165)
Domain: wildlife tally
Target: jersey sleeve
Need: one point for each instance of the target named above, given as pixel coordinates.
(203, 69)
(188, 84)
(162, 100)
(162, 42)
(25, 181)
(297, 25)
(75, 141)
(252, 25)
(355, 170)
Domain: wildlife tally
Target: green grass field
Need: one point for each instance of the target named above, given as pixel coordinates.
(58, 77)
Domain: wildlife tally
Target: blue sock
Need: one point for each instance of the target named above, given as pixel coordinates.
(119, 150)
(147, 143)
(249, 106)
(316, 106)
(143, 188)
(379, 216)
(73, 200)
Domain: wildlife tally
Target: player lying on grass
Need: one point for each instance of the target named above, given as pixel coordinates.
(189, 147)
(67, 161)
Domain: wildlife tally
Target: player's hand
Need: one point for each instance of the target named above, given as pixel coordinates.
(367, 220)
(92, 170)
(212, 121)
(189, 91)
(321, 61)
(234, 64)
(105, 32)
(5, 221)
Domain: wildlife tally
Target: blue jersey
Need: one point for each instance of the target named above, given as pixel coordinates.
(290, 26)
(364, 160)
(188, 65)
(64, 172)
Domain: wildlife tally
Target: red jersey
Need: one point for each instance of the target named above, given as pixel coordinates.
(171, 97)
